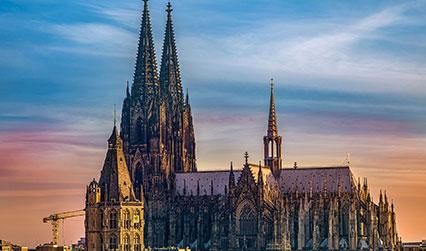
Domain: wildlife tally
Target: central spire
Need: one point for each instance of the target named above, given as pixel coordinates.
(272, 142)
(145, 82)
(272, 122)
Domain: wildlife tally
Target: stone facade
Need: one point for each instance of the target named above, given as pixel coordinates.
(114, 217)
(258, 207)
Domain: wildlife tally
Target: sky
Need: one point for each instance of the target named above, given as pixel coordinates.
(349, 78)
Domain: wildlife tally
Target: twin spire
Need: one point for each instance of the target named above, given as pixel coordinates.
(145, 80)
(169, 73)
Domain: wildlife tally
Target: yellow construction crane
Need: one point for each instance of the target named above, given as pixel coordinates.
(57, 218)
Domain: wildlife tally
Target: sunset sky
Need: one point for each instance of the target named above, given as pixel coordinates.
(350, 77)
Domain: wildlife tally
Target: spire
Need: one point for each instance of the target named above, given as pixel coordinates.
(171, 84)
(231, 178)
(187, 98)
(386, 200)
(145, 82)
(115, 116)
(272, 122)
(127, 89)
(115, 177)
(260, 176)
(246, 156)
(272, 142)
(114, 141)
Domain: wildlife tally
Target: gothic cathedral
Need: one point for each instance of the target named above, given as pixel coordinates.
(150, 194)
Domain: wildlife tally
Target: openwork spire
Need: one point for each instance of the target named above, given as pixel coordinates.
(171, 84)
(145, 82)
(272, 122)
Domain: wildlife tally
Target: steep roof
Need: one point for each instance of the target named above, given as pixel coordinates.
(190, 182)
(115, 180)
(301, 179)
(317, 178)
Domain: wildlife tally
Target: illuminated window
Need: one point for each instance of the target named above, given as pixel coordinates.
(126, 219)
(137, 219)
(126, 245)
(137, 243)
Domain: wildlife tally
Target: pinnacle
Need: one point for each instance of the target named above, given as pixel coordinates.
(272, 122)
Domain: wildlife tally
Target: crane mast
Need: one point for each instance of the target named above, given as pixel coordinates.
(57, 218)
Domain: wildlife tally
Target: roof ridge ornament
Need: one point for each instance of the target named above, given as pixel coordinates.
(246, 156)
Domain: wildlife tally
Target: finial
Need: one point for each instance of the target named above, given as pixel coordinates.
(169, 8)
(295, 165)
(246, 156)
(115, 116)
(347, 160)
(232, 168)
(187, 96)
(272, 83)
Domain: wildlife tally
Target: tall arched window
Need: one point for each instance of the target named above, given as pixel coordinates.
(126, 243)
(137, 246)
(247, 221)
(113, 242)
(138, 176)
(126, 219)
(139, 130)
(137, 219)
(113, 219)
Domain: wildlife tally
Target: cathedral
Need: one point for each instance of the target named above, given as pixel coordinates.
(151, 195)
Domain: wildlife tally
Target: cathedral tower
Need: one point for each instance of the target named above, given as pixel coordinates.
(114, 217)
(156, 127)
(272, 141)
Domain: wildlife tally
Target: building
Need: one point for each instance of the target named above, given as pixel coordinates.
(8, 246)
(261, 206)
(414, 246)
(51, 247)
(114, 217)
(80, 245)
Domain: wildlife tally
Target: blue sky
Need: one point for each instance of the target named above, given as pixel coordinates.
(349, 75)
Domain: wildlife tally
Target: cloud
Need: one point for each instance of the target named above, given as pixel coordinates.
(337, 54)
(93, 38)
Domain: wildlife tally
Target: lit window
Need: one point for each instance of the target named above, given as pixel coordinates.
(126, 245)
(126, 218)
(137, 243)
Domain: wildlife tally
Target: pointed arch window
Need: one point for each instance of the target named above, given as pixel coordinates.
(126, 219)
(138, 174)
(137, 246)
(126, 243)
(247, 221)
(113, 219)
(137, 219)
(139, 130)
(113, 242)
